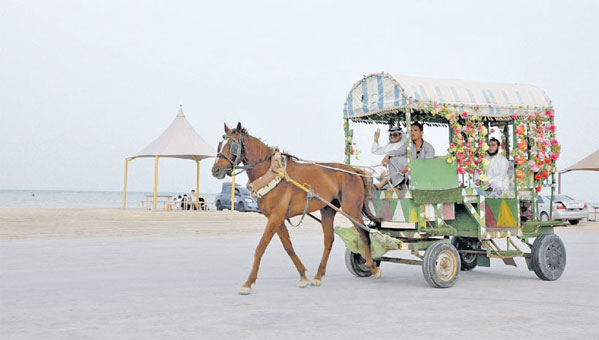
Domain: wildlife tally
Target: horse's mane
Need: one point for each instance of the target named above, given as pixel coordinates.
(244, 131)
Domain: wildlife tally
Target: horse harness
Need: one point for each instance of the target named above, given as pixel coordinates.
(236, 149)
(275, 174)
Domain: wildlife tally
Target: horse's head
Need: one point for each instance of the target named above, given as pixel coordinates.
(231, 151)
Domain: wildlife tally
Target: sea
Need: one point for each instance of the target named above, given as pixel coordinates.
(80, 199)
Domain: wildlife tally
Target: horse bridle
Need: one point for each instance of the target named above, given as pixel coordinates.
(237, 151)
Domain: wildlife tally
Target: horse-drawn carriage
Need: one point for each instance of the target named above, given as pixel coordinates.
(455, 224)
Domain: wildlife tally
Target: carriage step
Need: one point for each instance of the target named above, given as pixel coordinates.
(505, 253)
(443, 231)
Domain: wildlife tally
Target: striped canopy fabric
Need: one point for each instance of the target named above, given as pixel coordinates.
(382, 93)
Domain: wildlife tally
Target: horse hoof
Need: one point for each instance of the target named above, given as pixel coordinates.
(316, 282)
(377, 273)
(303, 283)
(245, 290)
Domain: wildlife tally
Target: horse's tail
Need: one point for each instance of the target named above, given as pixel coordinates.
(367, 187)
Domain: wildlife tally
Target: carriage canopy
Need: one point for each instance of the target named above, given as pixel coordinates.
(382, 93)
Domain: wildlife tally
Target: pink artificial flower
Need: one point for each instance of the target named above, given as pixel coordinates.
(514, 116)
(554, 142)
(465, 114)
(554, 157)
(552, 128)
(548, 112)
(461, 170)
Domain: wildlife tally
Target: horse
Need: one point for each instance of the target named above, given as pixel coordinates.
(344, 186)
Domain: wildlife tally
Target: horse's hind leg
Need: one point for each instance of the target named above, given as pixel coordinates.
(355, 212)
(286, 241)
(271, 227)
(327, 215)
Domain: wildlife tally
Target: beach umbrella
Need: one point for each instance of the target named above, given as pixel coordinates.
(179, 140)
(589, 163)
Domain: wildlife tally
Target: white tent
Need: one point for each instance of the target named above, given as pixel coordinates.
(179, 140)
(589, 163)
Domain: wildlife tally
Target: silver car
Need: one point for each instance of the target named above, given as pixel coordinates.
(564, 208)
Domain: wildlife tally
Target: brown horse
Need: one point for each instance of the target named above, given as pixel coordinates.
(287, 200)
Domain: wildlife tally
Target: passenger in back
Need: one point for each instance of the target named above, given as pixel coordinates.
(498, 180)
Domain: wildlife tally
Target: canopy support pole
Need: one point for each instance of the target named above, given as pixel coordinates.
(155, 181)
(125, 185)
(559, 183)
(233, 191)
(198, 177)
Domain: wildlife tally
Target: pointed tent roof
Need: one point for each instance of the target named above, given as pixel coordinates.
(179, 140)
(590, 163)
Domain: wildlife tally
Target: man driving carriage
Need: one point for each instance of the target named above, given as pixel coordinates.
(396, 156)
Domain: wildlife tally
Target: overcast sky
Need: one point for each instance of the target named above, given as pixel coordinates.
(84, 84)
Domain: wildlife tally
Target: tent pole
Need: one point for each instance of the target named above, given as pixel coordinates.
(198, 177)
(155, 181)
(233, 191)
(559, 182)
(125, 185)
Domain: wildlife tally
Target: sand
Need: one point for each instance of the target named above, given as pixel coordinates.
(68, 223)
(135, 274)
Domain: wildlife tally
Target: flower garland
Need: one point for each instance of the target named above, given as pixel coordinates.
(468, 146)
(349, 143)
(537, 149)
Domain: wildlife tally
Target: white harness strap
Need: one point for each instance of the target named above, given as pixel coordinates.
(277, 171)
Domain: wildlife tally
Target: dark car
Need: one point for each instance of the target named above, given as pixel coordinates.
(243, 199)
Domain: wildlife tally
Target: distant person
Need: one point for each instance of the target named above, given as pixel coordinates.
(498, 181)
(194, 199)
(178, 201)
(185, 203)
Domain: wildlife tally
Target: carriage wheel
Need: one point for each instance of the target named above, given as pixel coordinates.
(356, 264)
(219, 206)
(548, 257)
(441, 265)
(467, 260)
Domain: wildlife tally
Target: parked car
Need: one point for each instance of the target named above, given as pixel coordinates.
(564, 208)
(243, 199)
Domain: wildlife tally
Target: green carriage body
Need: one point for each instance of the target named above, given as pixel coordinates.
(436, 202)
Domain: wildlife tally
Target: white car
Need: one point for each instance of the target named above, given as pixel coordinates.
(564, 208)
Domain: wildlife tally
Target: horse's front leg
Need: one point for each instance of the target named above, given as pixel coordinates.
(271, 228)
(286, 241)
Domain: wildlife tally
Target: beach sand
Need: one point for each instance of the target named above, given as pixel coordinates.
(137, 274)
(68, 223)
